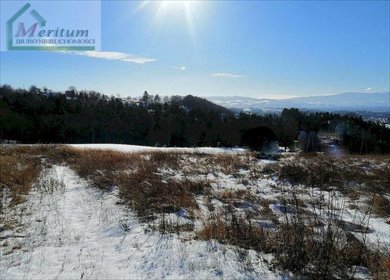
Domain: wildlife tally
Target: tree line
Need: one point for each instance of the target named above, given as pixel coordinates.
(37, 115)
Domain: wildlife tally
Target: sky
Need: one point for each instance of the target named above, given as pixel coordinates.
(272, 49)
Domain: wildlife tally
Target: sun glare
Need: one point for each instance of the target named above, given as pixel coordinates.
(178, 4)
(166, 9)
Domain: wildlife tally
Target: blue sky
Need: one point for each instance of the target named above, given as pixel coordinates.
(257, 49)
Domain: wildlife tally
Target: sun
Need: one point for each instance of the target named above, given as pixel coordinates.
(166, 9)
(171, 6)
(178, 4)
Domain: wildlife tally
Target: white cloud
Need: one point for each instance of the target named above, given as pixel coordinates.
(180, 68)
(114, 56)
(369, 89)
(226, 75)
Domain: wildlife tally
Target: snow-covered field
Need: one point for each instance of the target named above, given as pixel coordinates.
(136, 149)
(68, 229)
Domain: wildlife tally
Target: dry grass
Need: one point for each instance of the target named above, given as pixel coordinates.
(271, 168)
(234, 230)
(217, 163)
(353, 195)
(325, 254)
(305, 245)
(380, 206)
(381, 267)
(138, 178)
(266, 211)
(371, 174)
(228, 164)
(101, 166)
(18, 172)
(166, 160)
(147, 193)
(231, 196)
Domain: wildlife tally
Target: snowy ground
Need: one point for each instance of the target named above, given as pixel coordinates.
(135, 148)
(67, 229)
(70, 231)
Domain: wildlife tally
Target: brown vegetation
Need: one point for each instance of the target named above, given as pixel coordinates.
(232, 229)
(303, 244)
(138, 179)
(380, 205)
(18, 172)
(344, 174)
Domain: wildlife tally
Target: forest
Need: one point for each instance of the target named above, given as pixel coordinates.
(38, 115)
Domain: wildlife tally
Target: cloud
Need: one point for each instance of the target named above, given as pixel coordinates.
(114, 56)
(180, 68)
(369, 89)
(227, 75)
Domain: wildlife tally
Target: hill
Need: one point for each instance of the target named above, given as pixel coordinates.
(43, 116)
(203, 105)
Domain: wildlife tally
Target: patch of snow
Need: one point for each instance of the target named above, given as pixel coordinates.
(138, 149)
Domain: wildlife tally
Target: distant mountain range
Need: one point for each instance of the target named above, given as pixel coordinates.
(350, 101)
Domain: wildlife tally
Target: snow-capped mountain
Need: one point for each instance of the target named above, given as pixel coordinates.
(351, 101)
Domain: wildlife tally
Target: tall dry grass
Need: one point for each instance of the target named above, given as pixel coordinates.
(306, 245)
(327, 172)
(138, 178)
(303, 245)
(18, 172)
